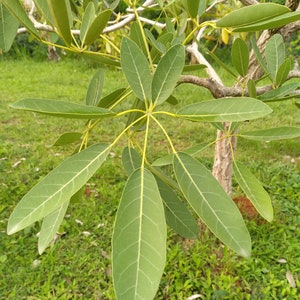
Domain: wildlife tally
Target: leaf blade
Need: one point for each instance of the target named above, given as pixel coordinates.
(8, 28)
(225, 109)
(62, 109)
(50, 226)
(212, 204)
(272, 134)
(139, 239)
(97, 27)
(57, 187)
(240, 56)
(136, 69)
(254, 190)
(60, 13)
(167, 74)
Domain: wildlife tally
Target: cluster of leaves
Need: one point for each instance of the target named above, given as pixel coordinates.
(151, 198)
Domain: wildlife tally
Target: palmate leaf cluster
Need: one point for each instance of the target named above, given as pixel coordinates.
(151, 197)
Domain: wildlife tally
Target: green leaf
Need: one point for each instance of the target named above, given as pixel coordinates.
(164, 39)
(99, 58)
(167, 74)
(225, 109)
(274, 54)
(251, 88)
(44, 10)
(8, 28)
(193, 7)
(62, 109)
(168, 159)
(60, 12)
(50, 226)
(252, 14)
(139, 239)
(136, 35)
(136, 69)
(283, 72)
(272, 134)
(211, 203)
(87, 19)
(97, 27)
(254, 191)
(68, 138)
(258, 54)
(57, 187)
(111, 4)
(131, 160)
(160, 47)
(195, 67)
(178, 217)
(275, 22)
(280, 92)
(16, 9)
(112, 98)
(240, 56)
(94, 91)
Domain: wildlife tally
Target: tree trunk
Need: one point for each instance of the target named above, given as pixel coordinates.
(222, 168)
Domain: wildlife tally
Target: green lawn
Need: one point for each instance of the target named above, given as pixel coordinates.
(77, 265)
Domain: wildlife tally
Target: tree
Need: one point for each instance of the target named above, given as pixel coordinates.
(152, 57)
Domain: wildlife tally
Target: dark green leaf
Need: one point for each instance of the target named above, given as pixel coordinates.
(112, 98)
(100, 58)
(280, 92)
(272, 134)
(195, 67)
(283, 72)
(68, 138)
(225, 109)
(193, 7)
(94, 91)
(139, 239)
(131, 160)
(62, 109)
(168, 159)
(211, 203)
(240, 56)
(251, 88)
(178, 217)
(254, 191)
(97, 27)
(57, 187)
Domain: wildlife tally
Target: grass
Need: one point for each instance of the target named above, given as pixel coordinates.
(77, 265)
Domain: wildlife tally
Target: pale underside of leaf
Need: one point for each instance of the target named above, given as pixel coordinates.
(62, 109)
(50, 226)
(211, 203)
(57, 187)
(225, 109)
(139, 239)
